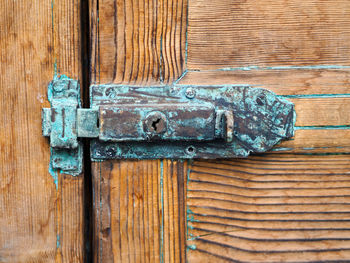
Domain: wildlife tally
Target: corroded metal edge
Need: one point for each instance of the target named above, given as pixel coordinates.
(59, 123)
(261, 120)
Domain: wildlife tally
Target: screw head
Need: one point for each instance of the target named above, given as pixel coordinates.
(190, 150)
(190, 93)
(111, 93)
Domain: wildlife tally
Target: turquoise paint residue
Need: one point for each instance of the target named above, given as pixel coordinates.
(162, 206)
(55, 68)
(306, 67)
(323, 127)
(281, 149)
(191, 247)
(190, 217)
(58, 243)
(315, 96)
(53, 172)
(186, 44)
(188, 210)
(181, 77)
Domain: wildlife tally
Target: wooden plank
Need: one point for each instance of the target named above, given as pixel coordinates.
(225, 33)
(316, 141)
(322, 111)
(40, 221)
(286, 81)
(137, 42)
(139, 211)
(271, 208)
(322, 121)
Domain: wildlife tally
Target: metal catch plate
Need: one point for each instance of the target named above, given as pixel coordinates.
(205, 121)
(60, 124)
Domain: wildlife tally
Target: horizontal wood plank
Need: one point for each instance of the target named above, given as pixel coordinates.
(317, 140)
(322, 111)
(286, 81)
(225, 33)
(322, 121)
(270, 208)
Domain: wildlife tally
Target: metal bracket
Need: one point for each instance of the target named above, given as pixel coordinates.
(175, 121)
(60, 124)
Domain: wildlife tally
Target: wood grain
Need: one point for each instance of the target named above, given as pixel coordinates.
(317, 141)
(275, 207)
(139, 207)
(225, 33)
(39, 221)
(139, 211)
(286, 81)
(272, 208)
(137, 42)
(321, 99)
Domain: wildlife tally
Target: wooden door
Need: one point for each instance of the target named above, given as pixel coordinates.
(289, 205)
(41, 214)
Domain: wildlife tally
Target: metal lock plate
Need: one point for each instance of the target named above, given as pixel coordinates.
(174, 121)
(205, 121)
(157, 122)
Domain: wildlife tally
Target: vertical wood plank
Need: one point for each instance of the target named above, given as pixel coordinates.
(139, 211)
(138, 42)
(40, 221)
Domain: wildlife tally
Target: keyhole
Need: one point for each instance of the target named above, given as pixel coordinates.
(155, 124)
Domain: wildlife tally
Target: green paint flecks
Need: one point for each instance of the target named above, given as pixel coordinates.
(189, 214)
(192, 247)
(306, 67)
(281, 149)
(315, 96)
(53, 172)
(323, 127)
(181, 77)
(58, 242)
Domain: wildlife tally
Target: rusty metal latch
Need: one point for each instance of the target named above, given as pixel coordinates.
(176, 121)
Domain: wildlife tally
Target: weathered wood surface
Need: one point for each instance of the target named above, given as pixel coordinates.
(321, 98)
(272, 208)
(244, 210)
(225, 33)
(139, 207)
(295, 48)
(138, 42)
(139, 211)
(39, 221)
(285, 81)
